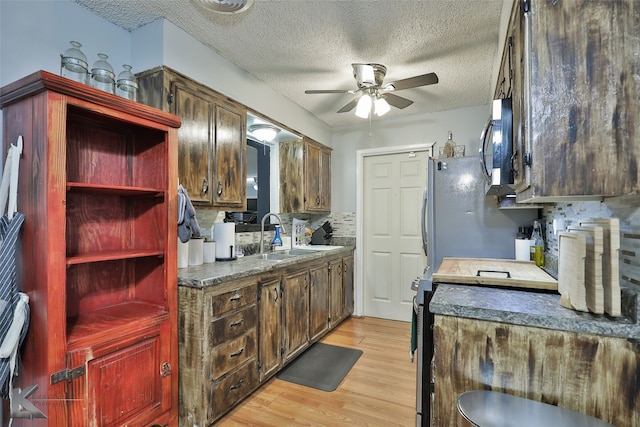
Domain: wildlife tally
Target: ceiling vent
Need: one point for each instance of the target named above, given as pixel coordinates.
(226, 6)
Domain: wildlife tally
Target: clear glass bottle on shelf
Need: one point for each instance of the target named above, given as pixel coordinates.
(127, 86)
(537, 248)
(102, 75)
(74, 64)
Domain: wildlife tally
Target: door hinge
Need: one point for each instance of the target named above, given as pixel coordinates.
(67, 375)
(526, 6)
(527, 159)
(170, 98)
(259, 366)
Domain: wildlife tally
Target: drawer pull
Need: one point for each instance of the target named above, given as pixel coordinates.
(238, 323)
(236, 385)
(236, 297)
(237, 353)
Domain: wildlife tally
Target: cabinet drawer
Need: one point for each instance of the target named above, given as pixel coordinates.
(233, 300)
(232, 354)
(233, 388)
(232, 326)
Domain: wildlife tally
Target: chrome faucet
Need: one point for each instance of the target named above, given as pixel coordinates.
(262, 228)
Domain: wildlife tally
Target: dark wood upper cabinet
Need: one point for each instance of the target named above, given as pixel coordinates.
(211, 141)
(305, 177)
(575, 98)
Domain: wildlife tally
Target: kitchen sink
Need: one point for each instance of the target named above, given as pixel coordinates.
(286, 254)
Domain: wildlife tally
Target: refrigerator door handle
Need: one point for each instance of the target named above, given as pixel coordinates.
(486, 131)
(423, 221)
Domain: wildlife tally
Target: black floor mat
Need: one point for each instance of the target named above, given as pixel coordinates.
(321, 366)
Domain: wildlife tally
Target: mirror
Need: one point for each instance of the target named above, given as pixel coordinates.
(262, 173)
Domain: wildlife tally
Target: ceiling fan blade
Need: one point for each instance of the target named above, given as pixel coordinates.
(328, 91)
(397, 101)
(423, 80)
(349, 106)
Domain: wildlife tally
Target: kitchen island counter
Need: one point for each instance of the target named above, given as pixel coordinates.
(220, 272)
(537, 309)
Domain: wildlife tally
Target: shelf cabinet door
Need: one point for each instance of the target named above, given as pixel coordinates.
(296, 314)
(270, 324)
(128, 383)
(319, 301)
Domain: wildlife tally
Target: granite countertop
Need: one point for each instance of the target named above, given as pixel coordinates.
(536, 309)
(222, 271)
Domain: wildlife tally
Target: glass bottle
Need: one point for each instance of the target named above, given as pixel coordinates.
(102, 75)
(74, 65)
(277, 240)
(127, 87)
(537, 248)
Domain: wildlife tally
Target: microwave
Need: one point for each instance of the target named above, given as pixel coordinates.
(496, 149)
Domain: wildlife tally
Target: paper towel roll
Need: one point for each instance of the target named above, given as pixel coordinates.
(196, 247)
(209, 254)
(225, 237)
(523, 249)
(183, 254)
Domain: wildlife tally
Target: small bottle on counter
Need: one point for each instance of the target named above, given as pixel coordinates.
(277, 240)
(537, 248)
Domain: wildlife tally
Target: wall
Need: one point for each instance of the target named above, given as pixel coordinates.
(465, 123)
(33, 34)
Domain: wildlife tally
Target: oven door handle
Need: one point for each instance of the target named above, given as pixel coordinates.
(486, 131)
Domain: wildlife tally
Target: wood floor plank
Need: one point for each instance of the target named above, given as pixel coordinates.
(379, 390)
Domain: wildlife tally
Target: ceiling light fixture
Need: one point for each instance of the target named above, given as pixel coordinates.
(364, 106)
(381, 106)
(264, 132)
(226, 6)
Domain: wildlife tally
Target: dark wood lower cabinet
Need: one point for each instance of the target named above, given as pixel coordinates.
(270, 327)
(236, 335)
(590, 374)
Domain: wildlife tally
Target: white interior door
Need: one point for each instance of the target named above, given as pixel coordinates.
(393, 185)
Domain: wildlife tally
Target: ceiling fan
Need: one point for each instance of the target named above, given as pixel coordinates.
(370, 78)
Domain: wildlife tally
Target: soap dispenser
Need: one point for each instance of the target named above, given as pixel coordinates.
(277, 240)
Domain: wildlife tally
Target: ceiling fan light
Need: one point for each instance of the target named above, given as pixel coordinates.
(226, 6)
(381, 106)
(364, 106)
(264, 132)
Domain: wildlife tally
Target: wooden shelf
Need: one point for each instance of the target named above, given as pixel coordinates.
(121, 190)
(99, 256)
(107, 323)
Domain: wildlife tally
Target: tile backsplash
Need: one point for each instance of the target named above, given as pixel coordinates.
(628, 212)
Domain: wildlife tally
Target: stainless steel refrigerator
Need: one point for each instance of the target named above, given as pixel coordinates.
(458, 220)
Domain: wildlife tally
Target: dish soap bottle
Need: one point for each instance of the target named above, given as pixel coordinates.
(277, 240)
(537, 248)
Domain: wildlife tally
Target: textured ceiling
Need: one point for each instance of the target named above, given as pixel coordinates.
(294, 45)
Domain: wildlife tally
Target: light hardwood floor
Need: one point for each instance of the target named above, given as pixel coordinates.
(380, 390)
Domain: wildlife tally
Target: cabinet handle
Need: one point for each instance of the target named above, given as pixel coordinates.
(236, 297)
(237, 353)
(219, 189)
(275, 294)
(238, 323)
(236, 385)
(165, 369)
(205, 186)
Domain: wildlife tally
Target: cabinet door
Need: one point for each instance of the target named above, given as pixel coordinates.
(313, 196)
(319, 301)
(270, 324)
(230, 149)
(296, 314)
(195, 151)
(292, 182)
(325, 181)
(518, 105)
(126, 384)
(336, 303)
(347, 282)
